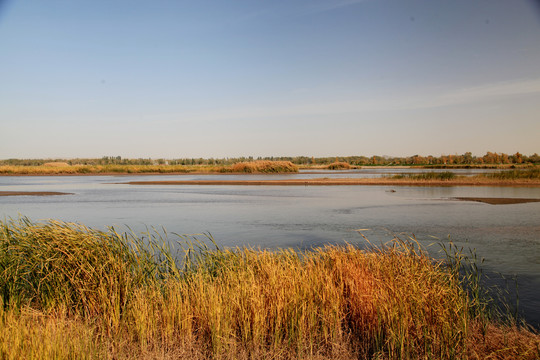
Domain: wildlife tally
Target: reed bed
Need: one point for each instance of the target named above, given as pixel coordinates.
(446, 175)
(93, 169)
(57, 168)
(339, 165)
(70, 291)
(263, 166)
(531, 173)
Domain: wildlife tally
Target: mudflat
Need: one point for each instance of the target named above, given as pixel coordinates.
(498, 201)
(32, 193)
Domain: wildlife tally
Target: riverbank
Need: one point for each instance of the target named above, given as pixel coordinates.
(498, 201)
(460, 181)
(76, 292)
(55, 168)
(252, 167)
(32, 193)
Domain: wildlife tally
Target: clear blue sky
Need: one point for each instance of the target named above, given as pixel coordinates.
(231, 78)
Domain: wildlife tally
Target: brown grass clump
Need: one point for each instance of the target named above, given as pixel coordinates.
(498, 342)
(339, 165)
(56, 164)
(264, 166)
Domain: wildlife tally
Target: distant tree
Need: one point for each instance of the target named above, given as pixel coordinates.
(467, 158)
(517, 158)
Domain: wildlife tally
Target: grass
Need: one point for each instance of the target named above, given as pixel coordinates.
(68, 291)
(339, 165)
(532, 173)
(515, 174)
(446, 175)
(56, 164)
(263, 166)
(94, 169)
(58, 168)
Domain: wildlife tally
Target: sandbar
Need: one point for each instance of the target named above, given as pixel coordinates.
(498, 201)
(32, 193)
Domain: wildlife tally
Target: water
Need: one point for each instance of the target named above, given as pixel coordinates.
(507, 236)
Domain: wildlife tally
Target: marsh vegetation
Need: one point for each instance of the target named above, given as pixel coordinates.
(117, 164)
(68, 291)
(339, 165)
(62, 168)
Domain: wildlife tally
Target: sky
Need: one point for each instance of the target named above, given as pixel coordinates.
(201, 78)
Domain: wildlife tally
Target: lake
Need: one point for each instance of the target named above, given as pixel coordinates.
(506, 236)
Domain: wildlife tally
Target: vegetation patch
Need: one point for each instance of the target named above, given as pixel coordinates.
(244, 167)
(93, 169)
(467, 160)
(56, 164)
(446, 175)
(263, 166)
(532, 173)
(68, 291)
(339, 165)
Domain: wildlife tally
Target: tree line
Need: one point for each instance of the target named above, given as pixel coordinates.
(489, 159)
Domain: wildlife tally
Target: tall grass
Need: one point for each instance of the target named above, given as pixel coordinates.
(31, 334)
(339, 165)
(93, 169)
(58, 168)
(121, 296)
(446, 175)
(533, 173)
(263, 166)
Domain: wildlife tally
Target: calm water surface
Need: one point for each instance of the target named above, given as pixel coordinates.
(506, 236)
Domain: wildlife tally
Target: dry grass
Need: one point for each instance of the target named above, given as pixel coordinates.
(339, 165)
(27, 333)
(56, 164)
(67, 291)
(101, 169)
(530, 173)
(57, 168)
(264, 166)
(489, 341)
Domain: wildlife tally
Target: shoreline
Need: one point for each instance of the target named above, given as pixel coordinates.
(33, 193)
(347, 181)
(497, 201)
(74, 170)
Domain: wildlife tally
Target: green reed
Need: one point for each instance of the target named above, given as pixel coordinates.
(532, 173)
(124, 296)
(446, 175)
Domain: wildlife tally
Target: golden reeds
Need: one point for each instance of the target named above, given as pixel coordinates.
(339, 165)
(98, 169)
(264, 166)
(57, 168)
(70, 291)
